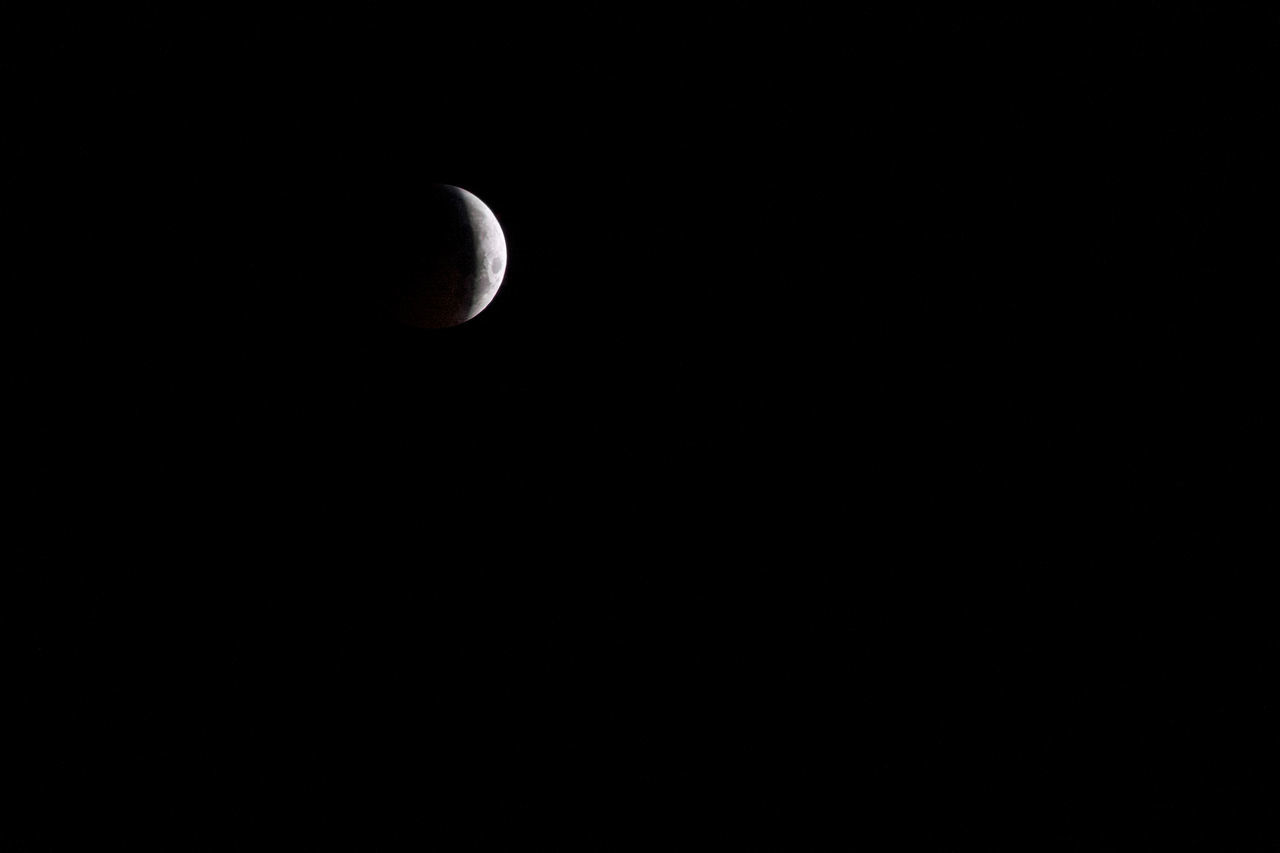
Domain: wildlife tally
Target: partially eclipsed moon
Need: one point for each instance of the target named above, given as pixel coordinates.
(464, 258)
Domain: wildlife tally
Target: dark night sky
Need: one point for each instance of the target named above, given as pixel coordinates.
(871, 436)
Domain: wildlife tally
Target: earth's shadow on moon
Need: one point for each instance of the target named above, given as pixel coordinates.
(440, 265)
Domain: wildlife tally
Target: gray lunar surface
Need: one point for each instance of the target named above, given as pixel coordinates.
(466, 259)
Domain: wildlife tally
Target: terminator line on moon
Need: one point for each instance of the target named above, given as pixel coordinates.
(464, 258)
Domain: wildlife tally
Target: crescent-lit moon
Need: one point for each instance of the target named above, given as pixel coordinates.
(465, 261)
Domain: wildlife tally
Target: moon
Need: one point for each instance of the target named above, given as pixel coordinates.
(462, 261)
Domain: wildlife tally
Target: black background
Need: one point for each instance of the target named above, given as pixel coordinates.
(870, 440)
